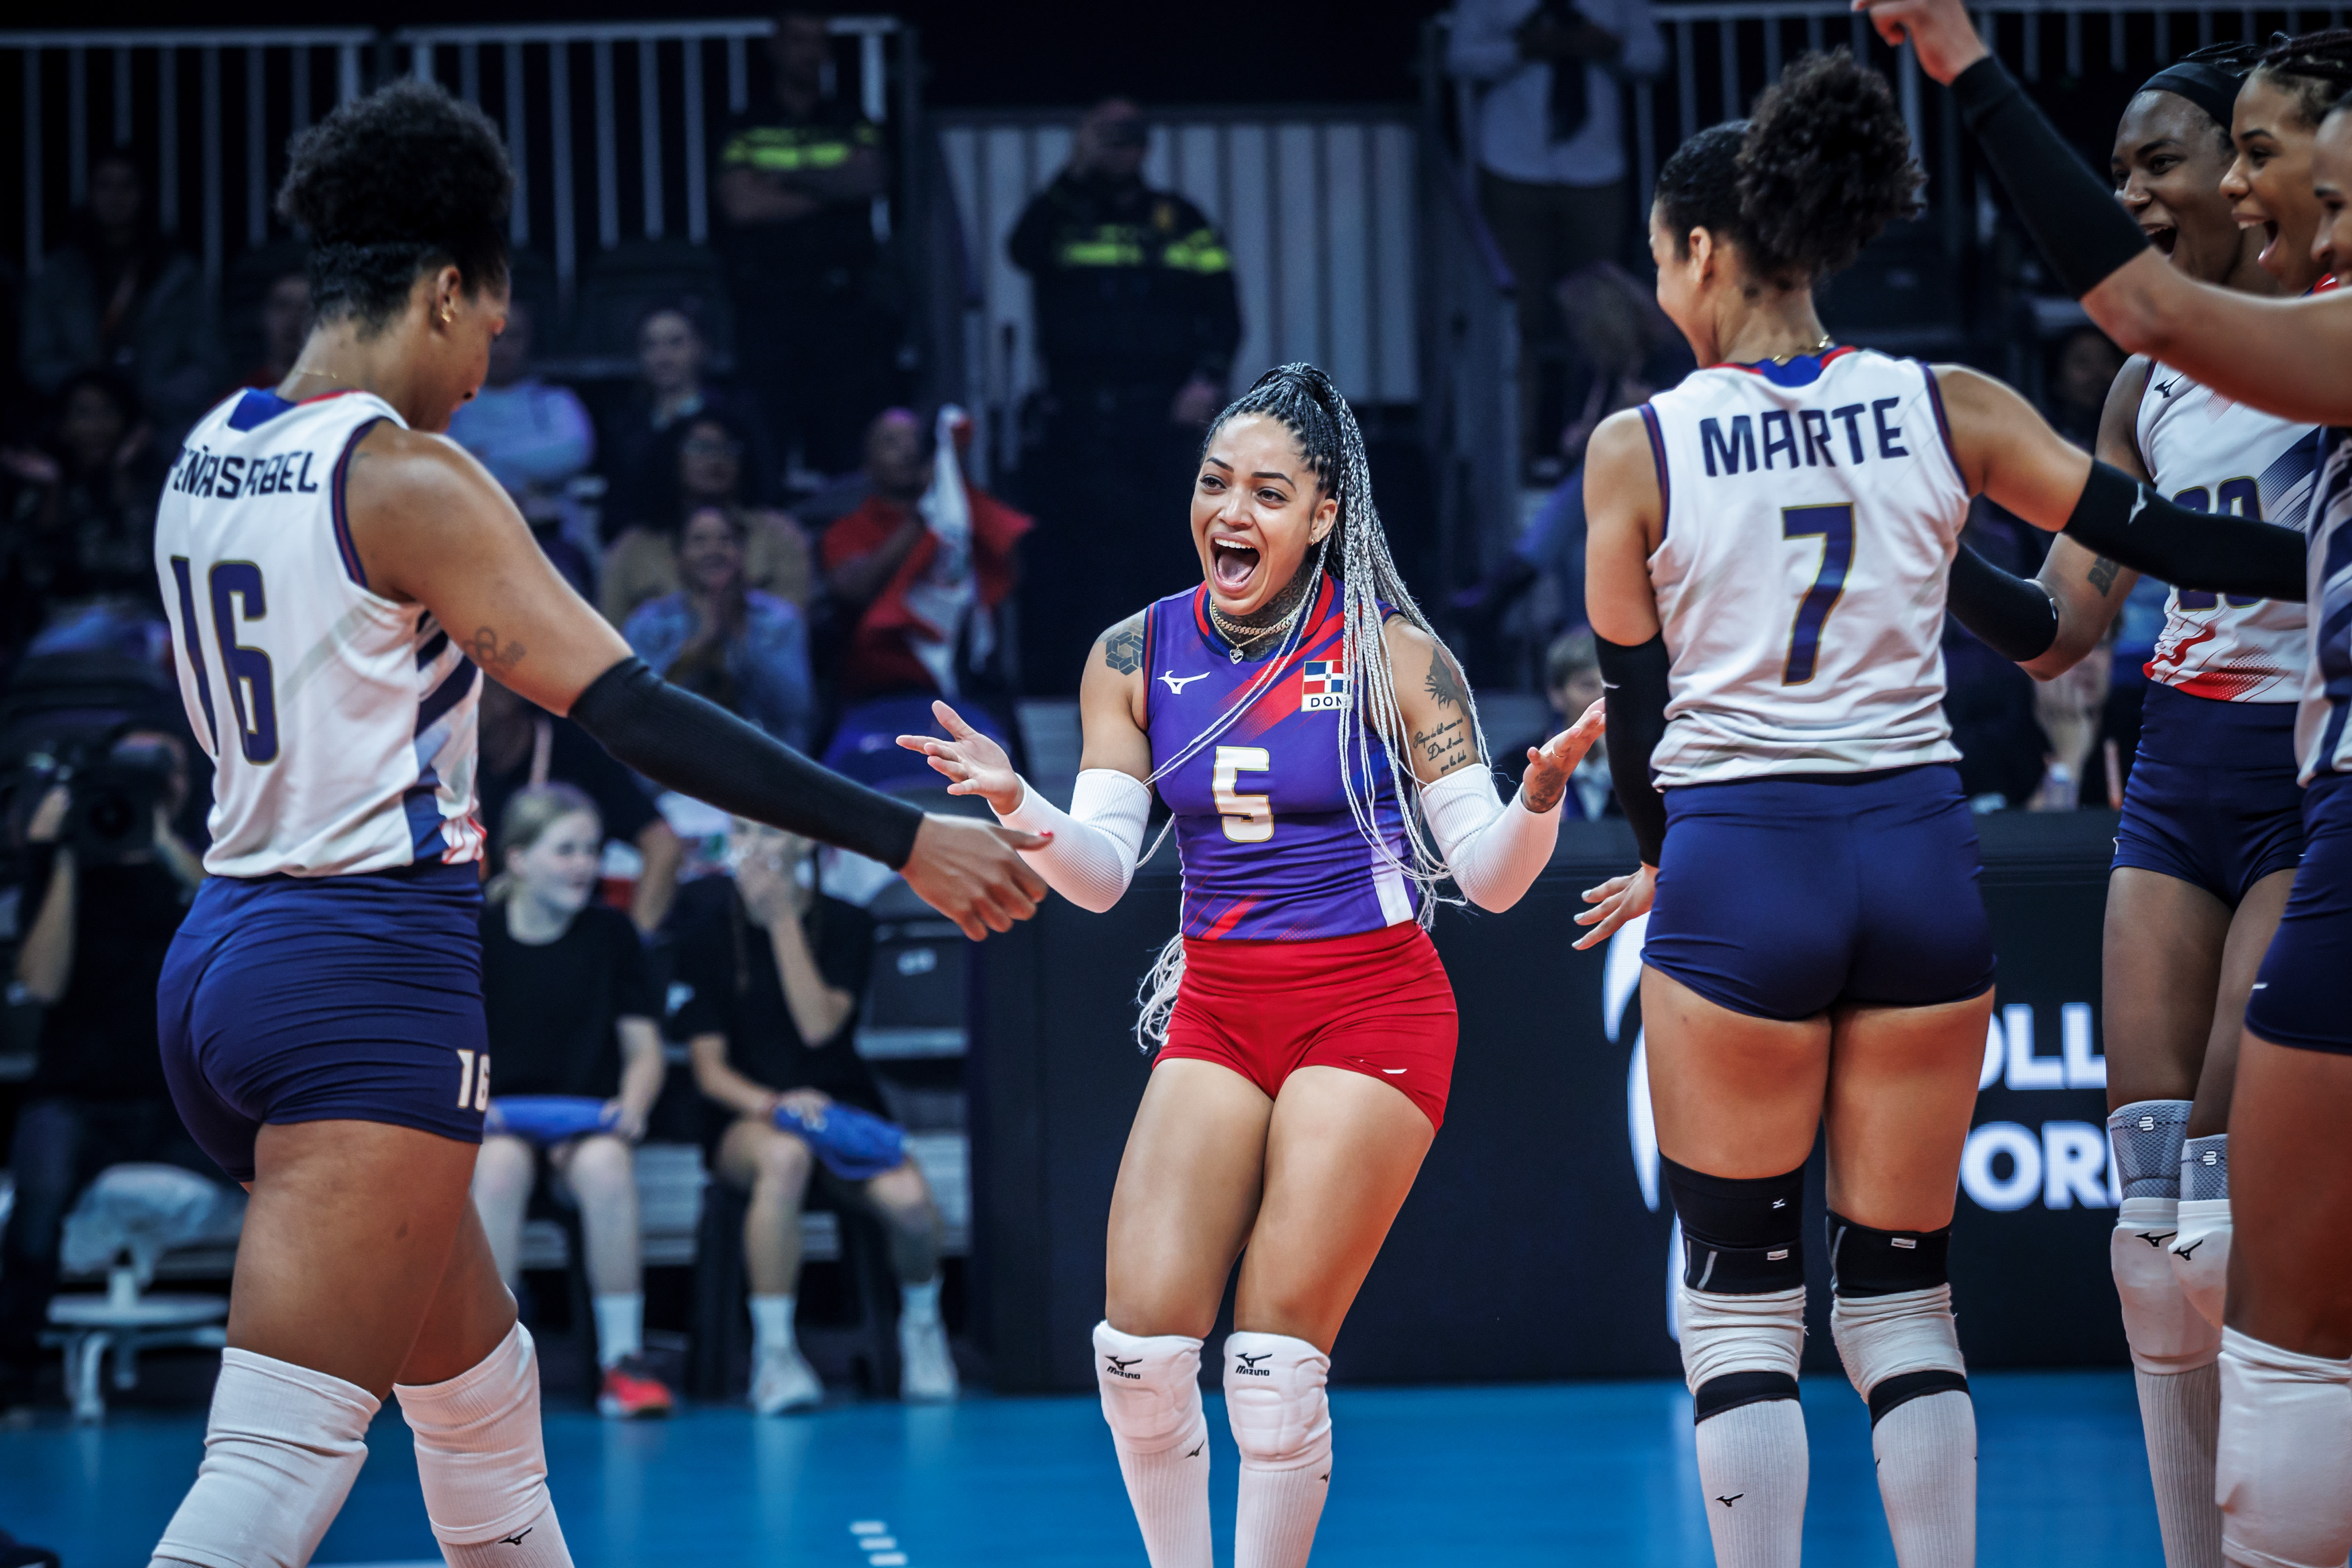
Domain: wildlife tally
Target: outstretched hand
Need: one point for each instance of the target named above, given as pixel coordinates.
(1549, 767)
(1615, 901)
(1940, 30)
(971, 763)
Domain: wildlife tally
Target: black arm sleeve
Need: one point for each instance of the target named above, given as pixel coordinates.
(2077, 223)
(2125, 521)
(2013, 617)
(698, 748)
(1636, 720)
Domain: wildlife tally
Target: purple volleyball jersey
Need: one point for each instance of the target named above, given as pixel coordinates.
(1270, 849)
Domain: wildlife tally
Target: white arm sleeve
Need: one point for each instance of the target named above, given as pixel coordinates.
(1495, 851)
(1092, 857)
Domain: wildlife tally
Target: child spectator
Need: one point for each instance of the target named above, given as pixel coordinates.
(571, 1014)
(721, 638)
(535, 438)
(704, 456)
(773, 979)
(672, 352)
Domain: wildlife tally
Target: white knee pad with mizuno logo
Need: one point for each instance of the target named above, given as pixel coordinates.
(1152, 1401)
(1282, 1423)
(481, 1462)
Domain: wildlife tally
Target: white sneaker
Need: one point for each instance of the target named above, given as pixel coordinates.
(784, 1380)
(927, 1373)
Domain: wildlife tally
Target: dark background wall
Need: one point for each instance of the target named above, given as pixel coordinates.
(1529, 1249)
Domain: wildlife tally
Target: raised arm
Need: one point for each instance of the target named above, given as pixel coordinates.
(431, 527)
(2287, 357)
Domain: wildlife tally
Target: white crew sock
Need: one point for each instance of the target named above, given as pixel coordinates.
(1152, 1401)
(919, 1304)
(481, 1464)
(282, 1446)
(2181, 1416)
(2284, 1476)
(1753, 1466)
(1927, 1454)
(620, 1327)
(772, 1326)
(1282, 1421)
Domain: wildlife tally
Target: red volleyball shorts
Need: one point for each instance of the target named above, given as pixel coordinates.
(1377, 1002)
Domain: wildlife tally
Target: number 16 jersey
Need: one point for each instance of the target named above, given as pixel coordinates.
(341, 722)
(1810, 513)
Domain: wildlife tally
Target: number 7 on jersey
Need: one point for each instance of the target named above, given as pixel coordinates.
(1833, 525)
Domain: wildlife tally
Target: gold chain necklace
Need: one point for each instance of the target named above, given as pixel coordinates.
(1827, 341)
(1242, 640)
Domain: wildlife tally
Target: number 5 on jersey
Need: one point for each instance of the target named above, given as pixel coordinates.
(1249, 818)
(1833, 525)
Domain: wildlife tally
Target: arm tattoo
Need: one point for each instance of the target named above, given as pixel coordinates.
(2102, 574)
(484, 649)
(1543, 797)
(1445, 682)
(1122, 647)
(1447, 746)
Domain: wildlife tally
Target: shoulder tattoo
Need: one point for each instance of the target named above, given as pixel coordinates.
(1445, 680)
(1122, 646)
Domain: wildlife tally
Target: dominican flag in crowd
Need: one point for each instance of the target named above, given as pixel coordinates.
(1323, 678)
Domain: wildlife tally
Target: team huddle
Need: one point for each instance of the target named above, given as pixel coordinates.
(1773, 545)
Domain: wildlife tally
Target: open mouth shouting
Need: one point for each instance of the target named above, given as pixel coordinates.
(2163, 236)
(1233, 564)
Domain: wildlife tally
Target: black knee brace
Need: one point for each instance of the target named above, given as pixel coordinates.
(1741, 1236)
(1866, 1262)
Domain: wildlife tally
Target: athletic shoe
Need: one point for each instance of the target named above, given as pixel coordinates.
(927, 1373)
(784, 1381)
(631, 1392)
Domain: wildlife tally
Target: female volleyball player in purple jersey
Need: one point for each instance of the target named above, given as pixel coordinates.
(1322, 759)
(338, 581)
(2212, 814)
(2284, 1464)
(1766, 572)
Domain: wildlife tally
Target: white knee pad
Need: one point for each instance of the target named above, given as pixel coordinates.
(2200, 1255)
(282, 1446)
(2167, 1335)
(1150, 1389)
(2283, 1475)
(480, 1460)
(1727, 1334)
(1900, 1347)
(1275, 1397)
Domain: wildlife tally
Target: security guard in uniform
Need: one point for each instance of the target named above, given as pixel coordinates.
(1137, 321)
(817, 333)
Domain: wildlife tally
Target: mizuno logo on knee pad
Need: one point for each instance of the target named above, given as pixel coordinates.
(1247, 1365)
(516, 1538)
(1117, 1366)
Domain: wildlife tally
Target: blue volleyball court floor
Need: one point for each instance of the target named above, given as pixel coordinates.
(1496, 1476)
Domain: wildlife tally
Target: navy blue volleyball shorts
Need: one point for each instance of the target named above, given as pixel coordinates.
(314, 999)
(2298, 995)
(1780, 897)
(2212, 798)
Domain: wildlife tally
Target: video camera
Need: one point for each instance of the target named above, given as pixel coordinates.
(63, 721)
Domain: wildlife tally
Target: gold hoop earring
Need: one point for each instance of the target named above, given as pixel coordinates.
(448, 314)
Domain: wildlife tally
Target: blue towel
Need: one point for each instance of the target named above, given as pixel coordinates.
(548, 1119)
(855, 1145)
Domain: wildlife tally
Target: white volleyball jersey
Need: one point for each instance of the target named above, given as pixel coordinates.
(2320, 740)
(1811, 510)
(2210, 454)
(341, 724)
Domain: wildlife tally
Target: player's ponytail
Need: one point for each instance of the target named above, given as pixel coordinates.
(1308, 404)
(1826, 166)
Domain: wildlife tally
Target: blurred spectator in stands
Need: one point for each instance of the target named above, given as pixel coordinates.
(92, 956)
(672, 355)
(705, 456)
(1542, 80)
(772, 980)
(572, 1015)
(81, 511)
(117, 295)
(285, 323)
(1136, 322)
(2082, 371)
(816, 334)
(718, 637)
(1571, 684)
(525, 747)
(535, 438)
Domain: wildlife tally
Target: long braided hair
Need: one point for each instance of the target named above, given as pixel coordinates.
(1304, 400)
(2315, 68)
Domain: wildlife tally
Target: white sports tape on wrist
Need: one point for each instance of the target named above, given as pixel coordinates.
(1495, 851)
(1092, 857)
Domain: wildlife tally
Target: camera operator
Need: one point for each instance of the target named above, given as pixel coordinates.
(110, 889)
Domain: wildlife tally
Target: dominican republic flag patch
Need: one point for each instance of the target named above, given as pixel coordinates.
(1323, 686)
